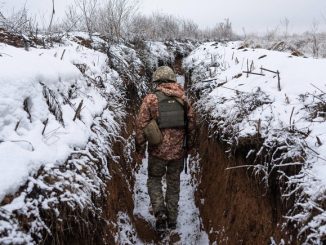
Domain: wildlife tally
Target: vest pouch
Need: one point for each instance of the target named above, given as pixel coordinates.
(153, 133)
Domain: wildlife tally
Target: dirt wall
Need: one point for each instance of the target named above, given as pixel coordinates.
(235, 209)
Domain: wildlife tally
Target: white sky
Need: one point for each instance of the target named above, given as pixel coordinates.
(253, 15)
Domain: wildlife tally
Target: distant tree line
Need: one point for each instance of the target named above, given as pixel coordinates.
(122, 20)
(117, 20)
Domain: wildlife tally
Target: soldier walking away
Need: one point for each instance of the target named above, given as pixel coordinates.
(165, 121)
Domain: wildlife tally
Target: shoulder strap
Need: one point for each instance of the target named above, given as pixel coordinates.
(162, 96)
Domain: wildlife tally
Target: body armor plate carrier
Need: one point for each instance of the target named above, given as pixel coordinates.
(171, 111)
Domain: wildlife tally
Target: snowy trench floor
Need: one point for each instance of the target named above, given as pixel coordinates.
(189, 225)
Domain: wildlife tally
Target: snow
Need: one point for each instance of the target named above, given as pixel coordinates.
(23, 151)
(30, 159)
(181, 80)
(126, 232)
(240, 106)
(189, 225)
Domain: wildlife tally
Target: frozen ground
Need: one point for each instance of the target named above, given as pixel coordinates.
(189, 223)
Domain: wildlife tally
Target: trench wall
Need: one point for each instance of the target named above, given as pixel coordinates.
(234, 207)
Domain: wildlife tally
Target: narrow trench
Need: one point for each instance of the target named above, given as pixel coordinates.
(234, 206)
(216, 206)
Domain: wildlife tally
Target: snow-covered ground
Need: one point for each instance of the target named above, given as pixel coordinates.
(24, 78)
(289, 116)
(40, 127)
(189, 225)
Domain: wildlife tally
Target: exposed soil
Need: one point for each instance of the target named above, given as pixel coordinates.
(234, 209)
(11, 39)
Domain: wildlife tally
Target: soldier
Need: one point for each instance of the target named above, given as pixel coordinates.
(169, 110)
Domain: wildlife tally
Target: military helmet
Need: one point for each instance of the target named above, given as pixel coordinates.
(164, 74)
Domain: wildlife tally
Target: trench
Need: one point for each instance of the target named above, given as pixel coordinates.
(234, 208)
(128, 205)
(216, 206)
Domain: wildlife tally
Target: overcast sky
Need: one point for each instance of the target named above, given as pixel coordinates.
(253, 15)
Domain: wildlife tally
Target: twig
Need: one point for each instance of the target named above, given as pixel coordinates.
(17, 141)
(68, 101)
(253, 73)
(318, 88)
(251, 66)
(286, 164)
(26, 108)
(238, 91)
(318, 141)
(45, 124)
(17, 125)
(291, 126)
(306, 145)
(258, 126)
(209, 80)
(264, 69)
(52, 132)
(63, 53)
(278, 81)
(79, 108)
(317, 98)
(241, 166)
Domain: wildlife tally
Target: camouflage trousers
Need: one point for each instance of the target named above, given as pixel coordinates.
(157, 168)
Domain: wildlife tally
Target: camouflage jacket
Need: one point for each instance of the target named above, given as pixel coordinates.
(171, 146)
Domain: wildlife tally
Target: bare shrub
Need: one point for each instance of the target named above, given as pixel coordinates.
(272, 34)
(72, 19)
(189, 29)
(285, 23)
(161, 26)
(88, 10)
(115, 16)
(18, 22)
(223, 30)
(140, 27)
(315, 39)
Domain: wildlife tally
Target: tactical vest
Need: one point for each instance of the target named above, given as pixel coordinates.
(171, 112)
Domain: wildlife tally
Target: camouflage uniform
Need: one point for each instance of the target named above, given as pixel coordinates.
(167, 157)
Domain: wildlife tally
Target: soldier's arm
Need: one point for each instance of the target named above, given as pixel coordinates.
(143, 118)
